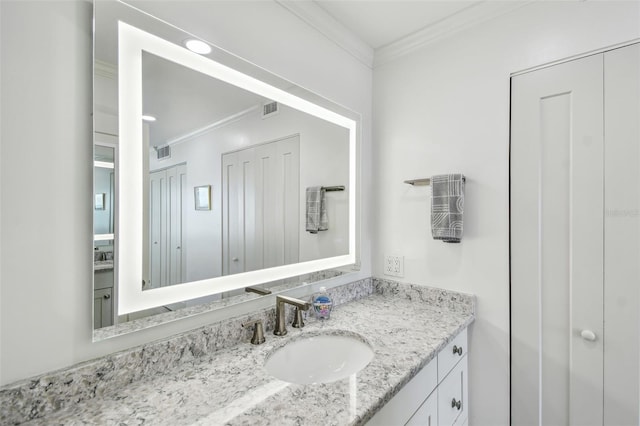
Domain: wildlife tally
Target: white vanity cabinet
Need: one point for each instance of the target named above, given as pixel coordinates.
(103, 298)
(437, 395)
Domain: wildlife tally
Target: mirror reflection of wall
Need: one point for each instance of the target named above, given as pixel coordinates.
(228, 142)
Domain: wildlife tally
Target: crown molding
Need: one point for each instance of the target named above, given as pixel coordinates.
(105, 69)
(327, 25)
(458, 22)
(212, 126)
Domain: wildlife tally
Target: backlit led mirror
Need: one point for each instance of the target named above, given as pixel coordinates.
(224, 176)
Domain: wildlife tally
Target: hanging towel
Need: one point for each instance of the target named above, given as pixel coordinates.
(317, 219)
(447, 205)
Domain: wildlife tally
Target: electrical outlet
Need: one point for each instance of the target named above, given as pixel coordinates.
(394, 266)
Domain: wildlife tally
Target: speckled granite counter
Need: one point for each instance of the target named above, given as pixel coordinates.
(405, 325)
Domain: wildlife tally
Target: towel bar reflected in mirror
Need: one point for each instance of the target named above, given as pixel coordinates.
(424, 182)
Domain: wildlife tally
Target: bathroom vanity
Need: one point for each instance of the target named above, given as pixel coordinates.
(437, 395)
(215, 376)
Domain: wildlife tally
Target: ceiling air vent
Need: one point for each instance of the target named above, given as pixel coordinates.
(163, 152)
(270, 109)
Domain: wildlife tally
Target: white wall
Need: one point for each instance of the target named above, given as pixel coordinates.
(46, 163)
(445, 108)
(324, 160)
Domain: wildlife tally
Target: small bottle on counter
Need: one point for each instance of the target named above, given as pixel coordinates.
(322, 304)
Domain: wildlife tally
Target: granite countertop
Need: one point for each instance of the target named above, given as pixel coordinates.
(102, 265)
(230, 386)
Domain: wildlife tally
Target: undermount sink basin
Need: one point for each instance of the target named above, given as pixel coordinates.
(321, 358)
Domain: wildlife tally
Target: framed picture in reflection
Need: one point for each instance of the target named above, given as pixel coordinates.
(202, 195)
(99, 201)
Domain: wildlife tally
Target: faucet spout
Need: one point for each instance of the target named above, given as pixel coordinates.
(280, 328)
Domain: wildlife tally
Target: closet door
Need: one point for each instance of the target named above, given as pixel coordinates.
(278, 201)
(557, 244)
(176, 193)
(260, 205)
(239, 236)
(157, 228)
(622, 236)
(167, 201)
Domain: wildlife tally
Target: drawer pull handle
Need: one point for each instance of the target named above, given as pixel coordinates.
(456, 404)
(457, 350)
(107, 296)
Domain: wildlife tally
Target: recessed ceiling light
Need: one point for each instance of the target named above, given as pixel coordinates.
(149, 118)
(198, 46)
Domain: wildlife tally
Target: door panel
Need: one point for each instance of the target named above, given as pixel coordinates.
(556, 240)
(157, 223)
(176, 181)
(555, 248)
(269, 223)
(231, 214)
(251, 254)
(167, 198)
(261, 202)
(289, 163)
(622, 236)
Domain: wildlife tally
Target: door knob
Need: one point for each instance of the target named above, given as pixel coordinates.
(588, 335)
(235, 259)
(456, 404)
(107, 296)
(457, 350)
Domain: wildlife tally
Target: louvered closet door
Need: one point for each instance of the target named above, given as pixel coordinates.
(557, 244)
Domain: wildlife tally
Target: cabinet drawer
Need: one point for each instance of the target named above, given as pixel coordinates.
(102, 308)
(427, 414)
(402, 406)
(447, 358)
(453, 394)
(103, 279)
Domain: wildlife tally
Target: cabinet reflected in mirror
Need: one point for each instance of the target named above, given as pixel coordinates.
(103, 230)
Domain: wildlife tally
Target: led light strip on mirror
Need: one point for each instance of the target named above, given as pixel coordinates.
(131, 44)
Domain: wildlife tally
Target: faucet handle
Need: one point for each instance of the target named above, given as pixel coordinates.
(297, 319)
(258, 331)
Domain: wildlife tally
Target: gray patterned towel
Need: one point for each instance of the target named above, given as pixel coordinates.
(447, 205)
(317, 219)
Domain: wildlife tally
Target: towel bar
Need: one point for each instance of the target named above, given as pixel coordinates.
(333, 188)
(423, 182)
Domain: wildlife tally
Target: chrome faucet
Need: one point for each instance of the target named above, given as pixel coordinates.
(280, 329)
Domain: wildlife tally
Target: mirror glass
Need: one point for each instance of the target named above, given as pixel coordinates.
(227, 182)
(226, 177)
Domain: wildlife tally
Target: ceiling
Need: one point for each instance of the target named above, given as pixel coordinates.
(373, 31)
(186, 101)
(379, 31)
(380, 23)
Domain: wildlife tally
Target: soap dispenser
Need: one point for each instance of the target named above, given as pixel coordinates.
(322, 304)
